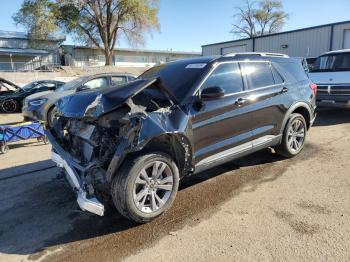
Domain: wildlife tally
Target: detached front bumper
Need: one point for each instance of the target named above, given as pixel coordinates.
(64, 161)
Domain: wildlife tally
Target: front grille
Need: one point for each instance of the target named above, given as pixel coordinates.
(334, 89)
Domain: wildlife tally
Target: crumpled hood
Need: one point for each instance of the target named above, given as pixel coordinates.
(98, 102)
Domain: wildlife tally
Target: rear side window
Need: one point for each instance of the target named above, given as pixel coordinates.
(276, 76)
(227, 76)
(258, 74)
(118, 80)
(292, 70)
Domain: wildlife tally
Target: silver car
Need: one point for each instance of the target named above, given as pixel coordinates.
(41, 106)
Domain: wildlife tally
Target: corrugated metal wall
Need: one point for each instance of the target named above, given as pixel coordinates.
(303, 43)
(308, 43)
(338, 36)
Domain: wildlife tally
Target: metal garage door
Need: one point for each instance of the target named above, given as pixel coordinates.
(346, 44)
(233, 49)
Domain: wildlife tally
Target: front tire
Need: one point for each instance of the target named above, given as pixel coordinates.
(145, 187)
(294, 136)
(10, 106)
(51, 116)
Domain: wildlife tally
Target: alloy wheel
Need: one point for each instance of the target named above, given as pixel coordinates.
(296, 135)
(153, 186)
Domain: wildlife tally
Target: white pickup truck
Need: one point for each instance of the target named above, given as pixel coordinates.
(331, 73)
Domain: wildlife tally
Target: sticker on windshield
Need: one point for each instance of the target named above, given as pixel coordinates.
(201, 65)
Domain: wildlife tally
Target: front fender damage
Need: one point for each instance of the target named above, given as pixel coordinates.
(100, 140)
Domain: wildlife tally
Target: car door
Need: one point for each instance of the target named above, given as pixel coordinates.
(221, 124)
(266, 89)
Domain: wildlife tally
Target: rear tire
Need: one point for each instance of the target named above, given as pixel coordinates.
(294, 136)
(145, 187)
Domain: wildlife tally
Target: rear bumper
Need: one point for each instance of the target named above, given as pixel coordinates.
(64, 161)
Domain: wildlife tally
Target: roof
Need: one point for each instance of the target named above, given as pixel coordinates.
(280, 33)
(23, 51)
(337, 51)
(138, 50)
(257, 54)
(23, 35)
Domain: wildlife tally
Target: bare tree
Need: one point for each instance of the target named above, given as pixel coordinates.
(100, 22)
(259, 18)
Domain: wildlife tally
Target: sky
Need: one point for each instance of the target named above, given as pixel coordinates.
(186, 25)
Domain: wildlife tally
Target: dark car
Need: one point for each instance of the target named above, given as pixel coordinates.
(133, 144)
(12, 102)
(42, 106)
(7, 87)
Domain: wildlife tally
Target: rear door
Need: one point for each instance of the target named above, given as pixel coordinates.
(267, 90)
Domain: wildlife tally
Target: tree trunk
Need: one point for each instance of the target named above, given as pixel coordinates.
(108, 56)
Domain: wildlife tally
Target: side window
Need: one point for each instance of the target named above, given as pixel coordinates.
(258, 74)
(227, 76)
(46, 86)
(276, 76)
(118, 80)
(292, 70)
(97, 83)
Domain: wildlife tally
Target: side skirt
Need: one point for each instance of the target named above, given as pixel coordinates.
(237, 152)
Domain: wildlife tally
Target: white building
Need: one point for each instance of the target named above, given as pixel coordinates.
(307, 42)
(80, 56)
(18, 53)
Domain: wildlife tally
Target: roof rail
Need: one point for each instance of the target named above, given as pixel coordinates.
(257, 53)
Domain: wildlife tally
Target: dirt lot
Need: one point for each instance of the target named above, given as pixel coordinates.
(259, 208)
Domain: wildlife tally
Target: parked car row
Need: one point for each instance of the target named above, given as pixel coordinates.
(41, 106)
(130, 145)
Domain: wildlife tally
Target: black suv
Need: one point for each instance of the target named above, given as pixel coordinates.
(132, 144)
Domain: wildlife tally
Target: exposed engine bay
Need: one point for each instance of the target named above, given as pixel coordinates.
(98, 135)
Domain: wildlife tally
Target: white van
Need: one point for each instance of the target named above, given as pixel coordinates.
(331, 73)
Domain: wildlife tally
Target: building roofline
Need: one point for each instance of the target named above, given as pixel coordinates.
(137, 50)
(22, 35)
(280, 33)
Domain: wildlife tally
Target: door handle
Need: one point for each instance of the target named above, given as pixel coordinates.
(284, 90)
(240, 101)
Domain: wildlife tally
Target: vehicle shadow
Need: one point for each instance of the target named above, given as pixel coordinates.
(39, 211)
(26, 169)
(328, 117)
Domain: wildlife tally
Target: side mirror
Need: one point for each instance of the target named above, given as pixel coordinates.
(82, 88)
(214, 92)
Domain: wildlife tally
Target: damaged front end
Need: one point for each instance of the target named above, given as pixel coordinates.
(96, 131)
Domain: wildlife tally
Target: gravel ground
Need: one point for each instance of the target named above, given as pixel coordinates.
(258, 208)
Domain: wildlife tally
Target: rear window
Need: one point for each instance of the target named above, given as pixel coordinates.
(258, 74)
(331, 63)
(293, 71)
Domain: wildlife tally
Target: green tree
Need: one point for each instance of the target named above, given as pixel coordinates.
(259, 18)
(100, 22)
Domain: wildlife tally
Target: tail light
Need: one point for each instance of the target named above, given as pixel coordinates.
(313, 88)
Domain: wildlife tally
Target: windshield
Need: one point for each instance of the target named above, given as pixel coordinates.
(72, 84)
(332, 62)
(177, 76)
(29, 86)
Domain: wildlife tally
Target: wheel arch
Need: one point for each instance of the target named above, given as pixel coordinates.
(175, 145)
(300, 108)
